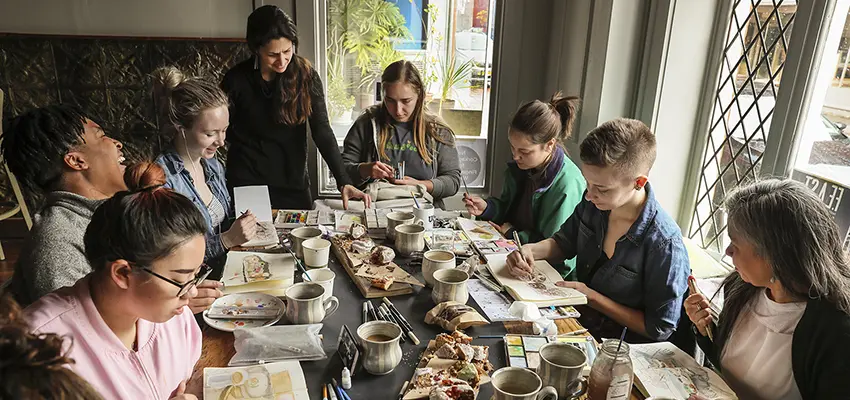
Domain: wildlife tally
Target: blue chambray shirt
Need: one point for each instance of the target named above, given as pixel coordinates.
(649, 270)
(178, 179)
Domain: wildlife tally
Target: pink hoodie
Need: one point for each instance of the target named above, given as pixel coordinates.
(166, 355)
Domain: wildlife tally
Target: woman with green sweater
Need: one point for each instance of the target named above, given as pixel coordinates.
(542, 185)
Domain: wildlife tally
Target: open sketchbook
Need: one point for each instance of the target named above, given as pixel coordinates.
(246, 271)
(256, 199)
(539, 287)
(662, 370)
(273, 381)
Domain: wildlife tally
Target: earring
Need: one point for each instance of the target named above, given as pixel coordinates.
(638, 187)
(256, 62)
(772, 279)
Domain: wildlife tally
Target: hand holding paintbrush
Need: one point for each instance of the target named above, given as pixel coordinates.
(700, 310)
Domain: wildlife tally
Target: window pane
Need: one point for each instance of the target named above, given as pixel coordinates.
(823, 150)
(750, 74)
(449, 41)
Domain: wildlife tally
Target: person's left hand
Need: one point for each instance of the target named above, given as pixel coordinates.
(405, 181)
(208, 291)
(351, 192)
(503, 228)
(580, 286)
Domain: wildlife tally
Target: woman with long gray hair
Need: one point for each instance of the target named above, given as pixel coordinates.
(784, 331)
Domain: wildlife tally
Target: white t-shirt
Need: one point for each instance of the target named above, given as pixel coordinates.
(757, 356)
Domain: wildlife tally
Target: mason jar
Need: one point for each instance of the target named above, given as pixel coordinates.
(612, 374)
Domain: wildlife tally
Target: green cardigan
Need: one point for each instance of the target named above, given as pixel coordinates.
(551, 204)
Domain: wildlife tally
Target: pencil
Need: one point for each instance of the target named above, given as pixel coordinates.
(692, 284)
(324, 392)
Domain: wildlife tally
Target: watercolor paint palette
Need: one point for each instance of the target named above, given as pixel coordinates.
(523, 350)
(247, 300)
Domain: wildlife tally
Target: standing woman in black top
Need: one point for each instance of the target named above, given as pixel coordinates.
(274, 95)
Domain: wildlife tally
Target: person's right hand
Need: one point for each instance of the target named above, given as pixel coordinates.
(697, 307)
(376, 170)
(474, 204)
(243, 230)
(520, 262)
(180, 393)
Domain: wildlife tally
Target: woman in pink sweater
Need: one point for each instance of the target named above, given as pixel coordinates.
(133, 336)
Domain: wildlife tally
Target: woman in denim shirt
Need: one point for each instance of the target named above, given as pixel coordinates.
(630, 259)
(195, 112)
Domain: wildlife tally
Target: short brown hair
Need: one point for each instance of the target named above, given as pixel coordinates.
(627, 144)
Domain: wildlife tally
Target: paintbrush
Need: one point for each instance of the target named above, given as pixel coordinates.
(692, 284)
(297, 261)
(465, 188)
(414, 200)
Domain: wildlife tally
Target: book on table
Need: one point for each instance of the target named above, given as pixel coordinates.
(538, 287)
(278, 380)
(663, 370)
(269, 273)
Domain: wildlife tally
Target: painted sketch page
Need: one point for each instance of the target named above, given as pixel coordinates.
(344, 219)
(279, 380)
(479, 230)
(258, 270)
(539, 287)
(665, 371)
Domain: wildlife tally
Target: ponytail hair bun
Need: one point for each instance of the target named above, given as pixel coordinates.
(144, 176)
(566, 107)
(543, 122)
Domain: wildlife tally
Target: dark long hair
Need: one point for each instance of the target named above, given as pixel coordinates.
(425, 124)
(143, 224)
(293, 97)
(791, 228)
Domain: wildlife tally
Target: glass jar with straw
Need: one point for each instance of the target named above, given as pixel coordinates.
(612, 374)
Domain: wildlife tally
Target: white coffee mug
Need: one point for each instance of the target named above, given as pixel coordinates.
(425, 213)
(397, 218)
(316, 252)
(324, 277)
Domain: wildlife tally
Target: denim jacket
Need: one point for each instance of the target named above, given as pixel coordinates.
(649, 270)
(178, 179)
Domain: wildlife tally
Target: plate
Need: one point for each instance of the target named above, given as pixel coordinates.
(245, 299)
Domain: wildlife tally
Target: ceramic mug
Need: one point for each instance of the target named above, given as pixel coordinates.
(514, 383)
(395, 219)
(409, 238)
(425, 213)
(299, 235)
(435, 260)
(304, 303)
(450, 285)
(324, 277)
(316, 252)
(561, 366)
(381, 351)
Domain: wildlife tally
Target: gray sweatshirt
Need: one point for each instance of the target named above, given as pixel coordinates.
(444, 170)
(54, 256)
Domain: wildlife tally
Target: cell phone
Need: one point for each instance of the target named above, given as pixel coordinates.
(235, 312)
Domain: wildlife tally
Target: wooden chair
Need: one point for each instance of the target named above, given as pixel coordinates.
(20, 204)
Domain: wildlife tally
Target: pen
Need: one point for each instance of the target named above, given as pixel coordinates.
(403, 389)
(340, 391)
(331, 392)
(403, 320)
(365, 313)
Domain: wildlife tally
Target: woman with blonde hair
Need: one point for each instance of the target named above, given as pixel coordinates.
(400, 129)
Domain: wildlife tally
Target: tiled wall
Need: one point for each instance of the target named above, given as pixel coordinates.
(108, 77)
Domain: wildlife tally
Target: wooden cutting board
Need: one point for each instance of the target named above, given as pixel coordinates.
(364, 284)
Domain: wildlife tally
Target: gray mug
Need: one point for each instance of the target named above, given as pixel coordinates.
(514, 383)
(395, 219)
(409, 238)
(299, 235)
(450, 285)
(381, 351)
(304, 304)
(561, 365)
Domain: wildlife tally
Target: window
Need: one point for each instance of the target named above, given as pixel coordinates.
(450, 42)
(750, 72)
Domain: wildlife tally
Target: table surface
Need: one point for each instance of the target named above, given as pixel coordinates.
(218, 346)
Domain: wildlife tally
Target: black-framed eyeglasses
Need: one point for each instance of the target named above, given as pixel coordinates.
(202, 274)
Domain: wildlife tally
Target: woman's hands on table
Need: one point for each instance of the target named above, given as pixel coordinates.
(698, 309)
(474, 204)
(242, 231)
(580, 287)
(351, 192)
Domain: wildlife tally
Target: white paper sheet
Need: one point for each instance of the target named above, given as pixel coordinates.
(279, 380)
(254, 198)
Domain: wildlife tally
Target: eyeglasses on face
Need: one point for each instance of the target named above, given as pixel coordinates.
(184, 288)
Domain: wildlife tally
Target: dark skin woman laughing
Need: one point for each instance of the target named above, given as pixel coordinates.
(274, 95)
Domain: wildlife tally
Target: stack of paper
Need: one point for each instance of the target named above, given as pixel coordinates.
(279, 380)
(664, 371)
(256, 199)
(269, 273)
(539, 287)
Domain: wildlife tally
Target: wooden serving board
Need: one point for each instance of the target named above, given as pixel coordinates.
(364, 284)
(437, 364)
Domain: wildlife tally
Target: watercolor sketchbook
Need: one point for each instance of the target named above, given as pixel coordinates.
(523, 350)
(269, 273)
(279, 381)
(539, 287)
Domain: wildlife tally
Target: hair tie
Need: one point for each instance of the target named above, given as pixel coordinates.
(151, 188)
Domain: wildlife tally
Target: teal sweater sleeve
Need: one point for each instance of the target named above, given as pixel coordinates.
(497, 207)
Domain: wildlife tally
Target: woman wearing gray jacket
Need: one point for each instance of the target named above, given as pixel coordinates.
(400, 131)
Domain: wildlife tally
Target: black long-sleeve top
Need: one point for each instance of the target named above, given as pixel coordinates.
(264, 151)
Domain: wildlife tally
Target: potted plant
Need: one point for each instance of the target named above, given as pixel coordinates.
(340, 102)
(453, 75)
